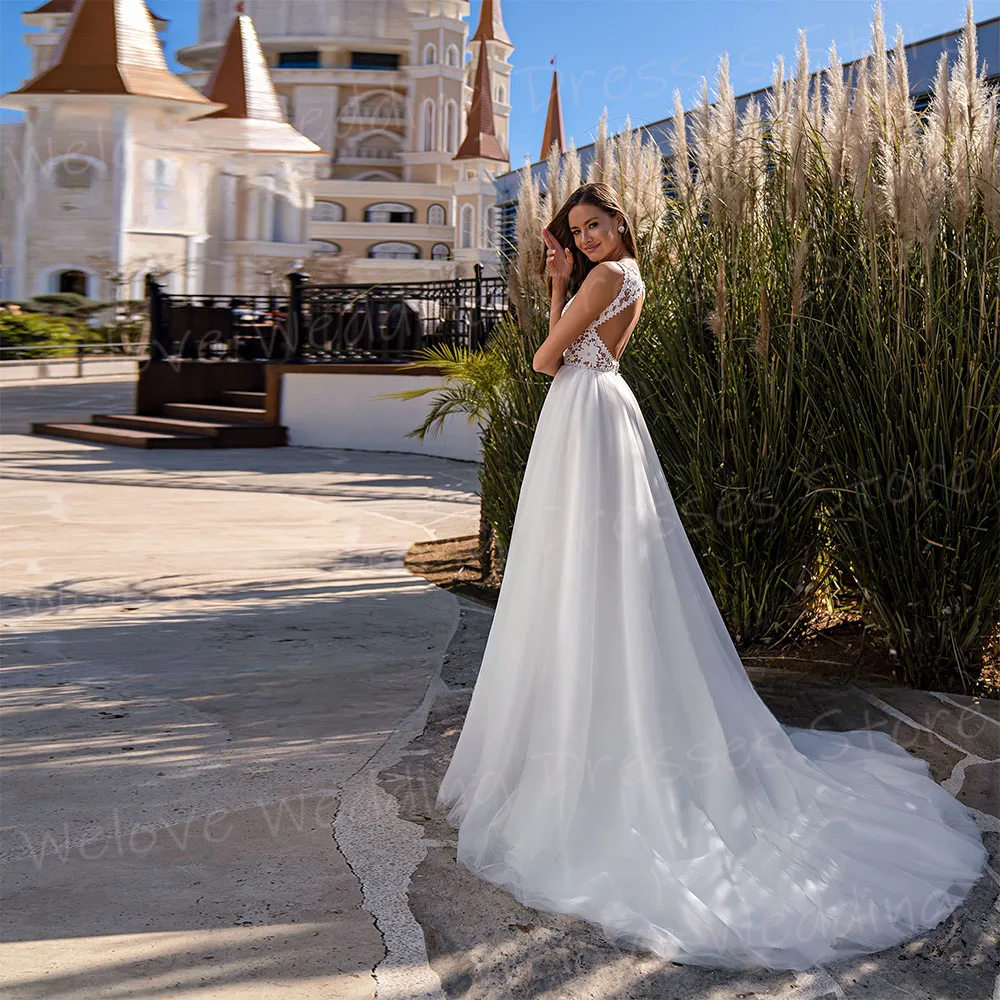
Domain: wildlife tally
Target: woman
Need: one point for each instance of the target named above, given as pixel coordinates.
(615, 762)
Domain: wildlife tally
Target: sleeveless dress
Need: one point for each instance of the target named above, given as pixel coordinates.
(616, 763)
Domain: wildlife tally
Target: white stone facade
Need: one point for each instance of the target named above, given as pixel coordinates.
(96, 191)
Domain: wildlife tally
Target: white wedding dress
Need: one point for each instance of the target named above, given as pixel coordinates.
(616, 763)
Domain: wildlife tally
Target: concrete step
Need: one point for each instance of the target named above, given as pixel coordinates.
(243, 397)
(126, 436)
(214, 413)
(223, 435)
(164, 425)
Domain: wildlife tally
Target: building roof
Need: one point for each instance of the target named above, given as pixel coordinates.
(241, 79)
(490, 27)
(554, 131)
(252, 120)
(110, 48)
(66, 6)
(481, 139)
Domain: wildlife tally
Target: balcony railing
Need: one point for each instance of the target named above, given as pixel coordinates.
(370, 116)
(368, 154)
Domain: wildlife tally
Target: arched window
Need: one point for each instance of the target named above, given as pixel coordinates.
(381, 104)
(494, 223)
(327, 211)
(436, 216)
(430, 54)
(501, 94)
(440, 251)
(468, 226)
(324, 246)
(74, 171)
(451, 55)
(451, 127)
(376, 144)
(390, 211)
(71, 281)
(427, 131)
(394, 251)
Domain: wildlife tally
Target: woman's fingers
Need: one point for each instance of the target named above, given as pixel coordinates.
(558, 259)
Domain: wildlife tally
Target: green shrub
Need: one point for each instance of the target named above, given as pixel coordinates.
(25, 333)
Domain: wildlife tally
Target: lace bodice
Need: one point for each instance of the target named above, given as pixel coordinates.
(588, 349)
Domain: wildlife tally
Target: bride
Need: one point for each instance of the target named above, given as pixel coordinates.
(615, 762)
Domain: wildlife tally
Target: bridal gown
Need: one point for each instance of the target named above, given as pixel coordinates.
(616, 763)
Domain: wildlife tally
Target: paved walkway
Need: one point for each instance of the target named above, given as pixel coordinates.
(201, 649)
(227, 711)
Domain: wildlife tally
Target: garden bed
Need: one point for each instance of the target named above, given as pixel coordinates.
(838, 648)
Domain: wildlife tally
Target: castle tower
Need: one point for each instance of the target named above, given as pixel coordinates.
(554, 132)
(54, 17)
(491, 33)
(76, 193)
(318, 53)
(437, 97)
(258, 215)
(383, 87)
(480, 157)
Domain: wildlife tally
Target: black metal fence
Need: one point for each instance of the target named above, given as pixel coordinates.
(351, 323)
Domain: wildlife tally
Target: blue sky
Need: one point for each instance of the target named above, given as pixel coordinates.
(627, 55)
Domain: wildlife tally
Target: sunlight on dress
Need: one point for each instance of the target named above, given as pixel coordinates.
(617, 764)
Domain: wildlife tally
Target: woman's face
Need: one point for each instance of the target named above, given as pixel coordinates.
(594, 231)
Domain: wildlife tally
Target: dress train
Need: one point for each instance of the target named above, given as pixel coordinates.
(616, 763)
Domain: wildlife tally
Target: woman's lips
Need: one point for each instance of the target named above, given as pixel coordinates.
(588, 249)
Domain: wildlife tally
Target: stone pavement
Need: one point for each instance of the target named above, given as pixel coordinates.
(482, 943)
(227, 708)
(201, 649)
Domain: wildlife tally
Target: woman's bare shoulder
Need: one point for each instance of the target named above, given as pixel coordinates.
(610, 267)
(604, 275)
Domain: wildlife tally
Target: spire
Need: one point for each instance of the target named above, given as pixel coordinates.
(490, 27)
(481, 139)
(252, 120)
(241, 79)
(554, 132)
(110, 47)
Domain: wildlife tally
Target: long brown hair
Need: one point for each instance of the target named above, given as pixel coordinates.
(600, 196)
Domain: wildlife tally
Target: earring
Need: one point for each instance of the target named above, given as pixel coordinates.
(621, 229)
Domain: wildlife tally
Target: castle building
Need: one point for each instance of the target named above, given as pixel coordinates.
(301, 132)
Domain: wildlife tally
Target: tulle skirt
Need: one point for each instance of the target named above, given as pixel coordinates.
(617, 764)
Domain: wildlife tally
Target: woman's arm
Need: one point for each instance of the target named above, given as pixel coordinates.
(558, 303)
(596, 293)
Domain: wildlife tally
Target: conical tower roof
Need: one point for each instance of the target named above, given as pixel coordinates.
(490, 27)
(241, 79)
(481, 139)
(554, 131)
(252, 120)
(110, 48)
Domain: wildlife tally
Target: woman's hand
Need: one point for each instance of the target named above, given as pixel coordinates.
(558, 259)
